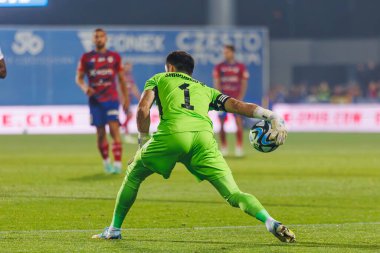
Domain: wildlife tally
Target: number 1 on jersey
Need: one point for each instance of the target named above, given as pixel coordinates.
(186, 93)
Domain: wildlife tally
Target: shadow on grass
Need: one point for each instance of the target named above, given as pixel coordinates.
(97, 177)
(255, 245)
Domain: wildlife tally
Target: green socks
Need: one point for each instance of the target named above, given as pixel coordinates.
(262, 216)
(125, 199)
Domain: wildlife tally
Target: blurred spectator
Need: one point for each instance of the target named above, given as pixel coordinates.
(323, 95)
(373, 90)
(313, 95)
(294, 95)
(277, 94)
(339, 95)
(368, 77)
(354, 93)
(364, 89)
(303, 91)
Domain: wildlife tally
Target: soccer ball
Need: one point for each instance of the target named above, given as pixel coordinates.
(259, 137)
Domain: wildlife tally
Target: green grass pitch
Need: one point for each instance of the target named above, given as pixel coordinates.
(326, 187)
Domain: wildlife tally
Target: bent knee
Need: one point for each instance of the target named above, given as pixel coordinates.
(235, 198)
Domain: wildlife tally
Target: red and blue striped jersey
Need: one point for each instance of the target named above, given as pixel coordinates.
(101, 70)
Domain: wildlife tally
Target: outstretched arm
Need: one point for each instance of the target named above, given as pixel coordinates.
(3, 69)
(143, 116)
(249, 110)
(254, 111)
(239, 107)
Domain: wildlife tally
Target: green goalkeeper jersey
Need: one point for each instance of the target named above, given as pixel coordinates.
(184, 102)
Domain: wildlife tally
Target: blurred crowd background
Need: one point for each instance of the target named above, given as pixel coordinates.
(363, 86)
(320, 51)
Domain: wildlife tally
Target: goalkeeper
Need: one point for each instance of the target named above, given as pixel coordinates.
(185, 135)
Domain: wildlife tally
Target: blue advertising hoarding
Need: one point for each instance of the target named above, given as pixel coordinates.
(23, 3)
(42, 62)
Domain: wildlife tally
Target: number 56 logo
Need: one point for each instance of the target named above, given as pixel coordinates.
(27, 42)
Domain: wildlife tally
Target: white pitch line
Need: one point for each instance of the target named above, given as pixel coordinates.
(189, 228)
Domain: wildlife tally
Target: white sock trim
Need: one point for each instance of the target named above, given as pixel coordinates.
(269, 224)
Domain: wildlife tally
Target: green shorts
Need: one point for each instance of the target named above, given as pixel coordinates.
(198, 151)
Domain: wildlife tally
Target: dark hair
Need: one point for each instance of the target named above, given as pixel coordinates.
(230, 47)
(182, 61)
(99, 30)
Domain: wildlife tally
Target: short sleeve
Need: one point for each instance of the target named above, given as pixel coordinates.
(82, 64)
(1, 55)
(152, 82)
(217, 100)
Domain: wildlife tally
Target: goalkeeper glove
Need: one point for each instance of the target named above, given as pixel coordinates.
(278, 131)
(143, 138)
